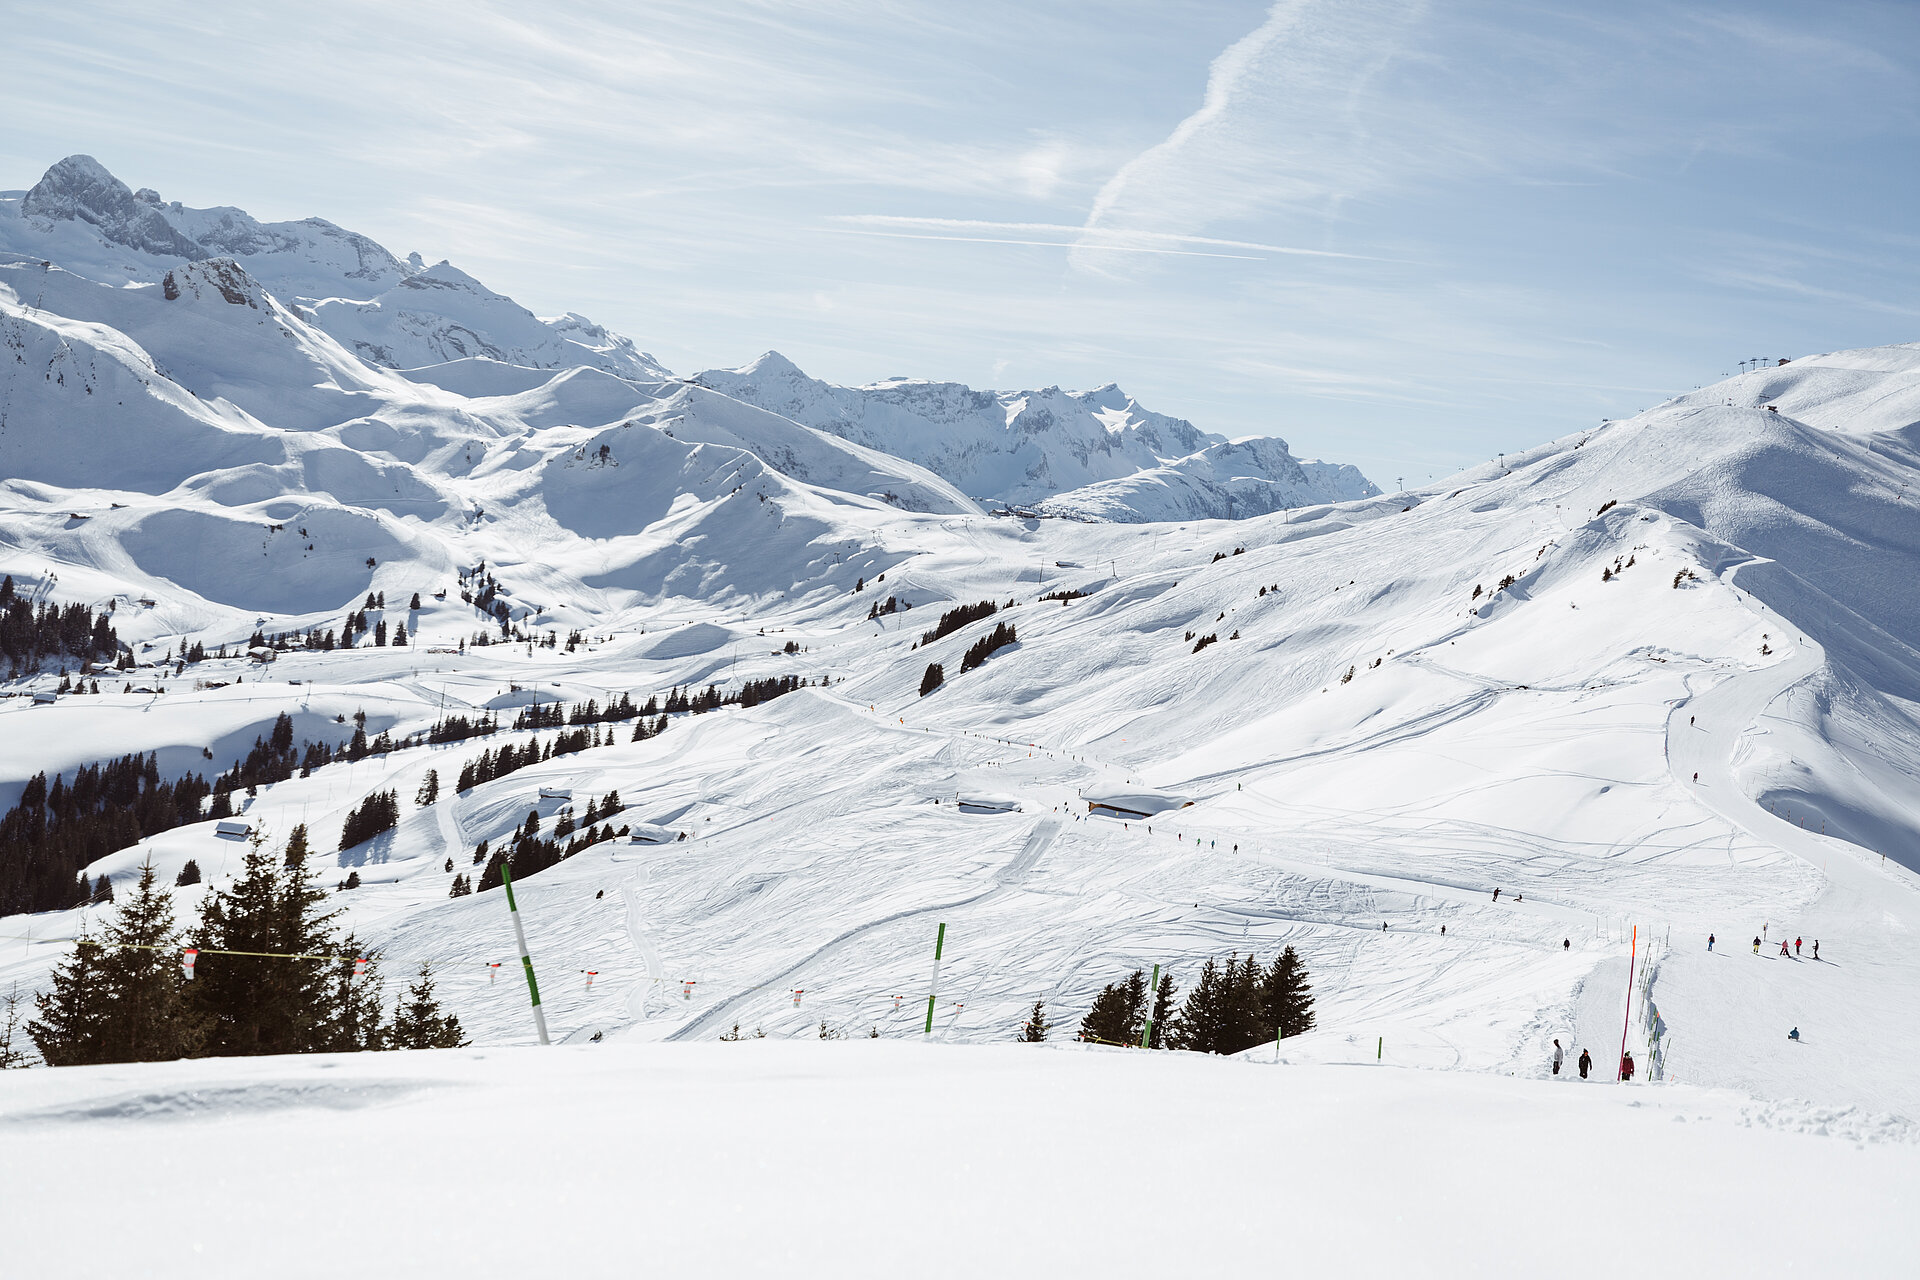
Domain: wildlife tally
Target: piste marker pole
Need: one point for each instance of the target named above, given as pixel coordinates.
(933, 988)
(1633, 960)
(1153, 988)
(526, 961)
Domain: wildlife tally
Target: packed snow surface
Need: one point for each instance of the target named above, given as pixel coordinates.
(862, 1158)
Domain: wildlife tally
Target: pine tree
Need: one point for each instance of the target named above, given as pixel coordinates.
(429, 789)
(122, 998)
(1117, 1010)
(1287, 998)
(356, 1016)
(935, 677)
(189, 874)
(1246, 1024)
(11, 1052)
(1203, 1016)
(267, 1004)
(296, 853)
(418, 1022)
(1037, 1025)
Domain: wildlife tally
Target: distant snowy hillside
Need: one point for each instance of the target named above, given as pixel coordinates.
(1026, 446)
(1234, 481)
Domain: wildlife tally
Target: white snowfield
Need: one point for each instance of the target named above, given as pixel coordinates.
(1382, 710)
(874, 1158)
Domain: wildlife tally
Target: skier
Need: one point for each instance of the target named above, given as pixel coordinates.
(1783, 949)
(1626, 1066)
(1756, 946)
(1586, 1063)
(1496, 895)
(1696, 775)
(1690, 725)
(1709, 942)
(1794, 1034)
(1566, 944)
(1796, 948)
(1816, 948)
(1558, 1056)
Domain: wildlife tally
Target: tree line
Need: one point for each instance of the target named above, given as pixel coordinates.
(1235, 1005)
(127, 995)
(30, 637)
(57, 828)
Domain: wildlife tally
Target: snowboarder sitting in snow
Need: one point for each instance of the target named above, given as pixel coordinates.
(1794, 1034)
(1586, 1063)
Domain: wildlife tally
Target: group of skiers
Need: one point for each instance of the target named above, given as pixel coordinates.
(1585, 1062)
(1791, 950)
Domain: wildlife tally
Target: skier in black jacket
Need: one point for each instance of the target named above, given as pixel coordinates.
(1586, 1063)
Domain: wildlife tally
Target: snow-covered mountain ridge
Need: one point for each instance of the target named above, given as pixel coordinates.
(393, 312)
(1027, 447)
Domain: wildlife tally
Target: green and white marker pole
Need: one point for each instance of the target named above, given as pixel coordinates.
(933, 988)
(526, 961)
(1153, 990)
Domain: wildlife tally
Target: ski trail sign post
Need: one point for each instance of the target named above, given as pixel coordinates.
(1153, 988)
(933, 988)
(526, 961)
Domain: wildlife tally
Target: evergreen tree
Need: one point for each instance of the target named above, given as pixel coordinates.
(267, 1004)
(418, 1022)
(11, 1052)
(1203, 1016)
(358, 1003)
(1286, 997)
(1037, 1025)
(189, 874)
(429, 789)
(1246, 1023)
(936, 676)
(297, 850)
(102, 890)
(1117, 1010)
(122, 998)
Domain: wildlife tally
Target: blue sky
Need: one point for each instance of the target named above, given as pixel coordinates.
(1406, 235)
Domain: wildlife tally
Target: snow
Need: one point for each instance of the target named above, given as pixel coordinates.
(1095, 455)
(1381, 736)
(859, 1158)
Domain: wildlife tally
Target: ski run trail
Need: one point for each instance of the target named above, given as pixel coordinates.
(1652, 681)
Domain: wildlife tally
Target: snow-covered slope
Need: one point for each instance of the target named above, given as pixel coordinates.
(1025, 446)
(1511, 684)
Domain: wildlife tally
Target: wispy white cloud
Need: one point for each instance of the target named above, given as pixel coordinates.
(1085, 237)
(1044, 244)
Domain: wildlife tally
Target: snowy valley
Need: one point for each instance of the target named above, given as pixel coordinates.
(1651, 681)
